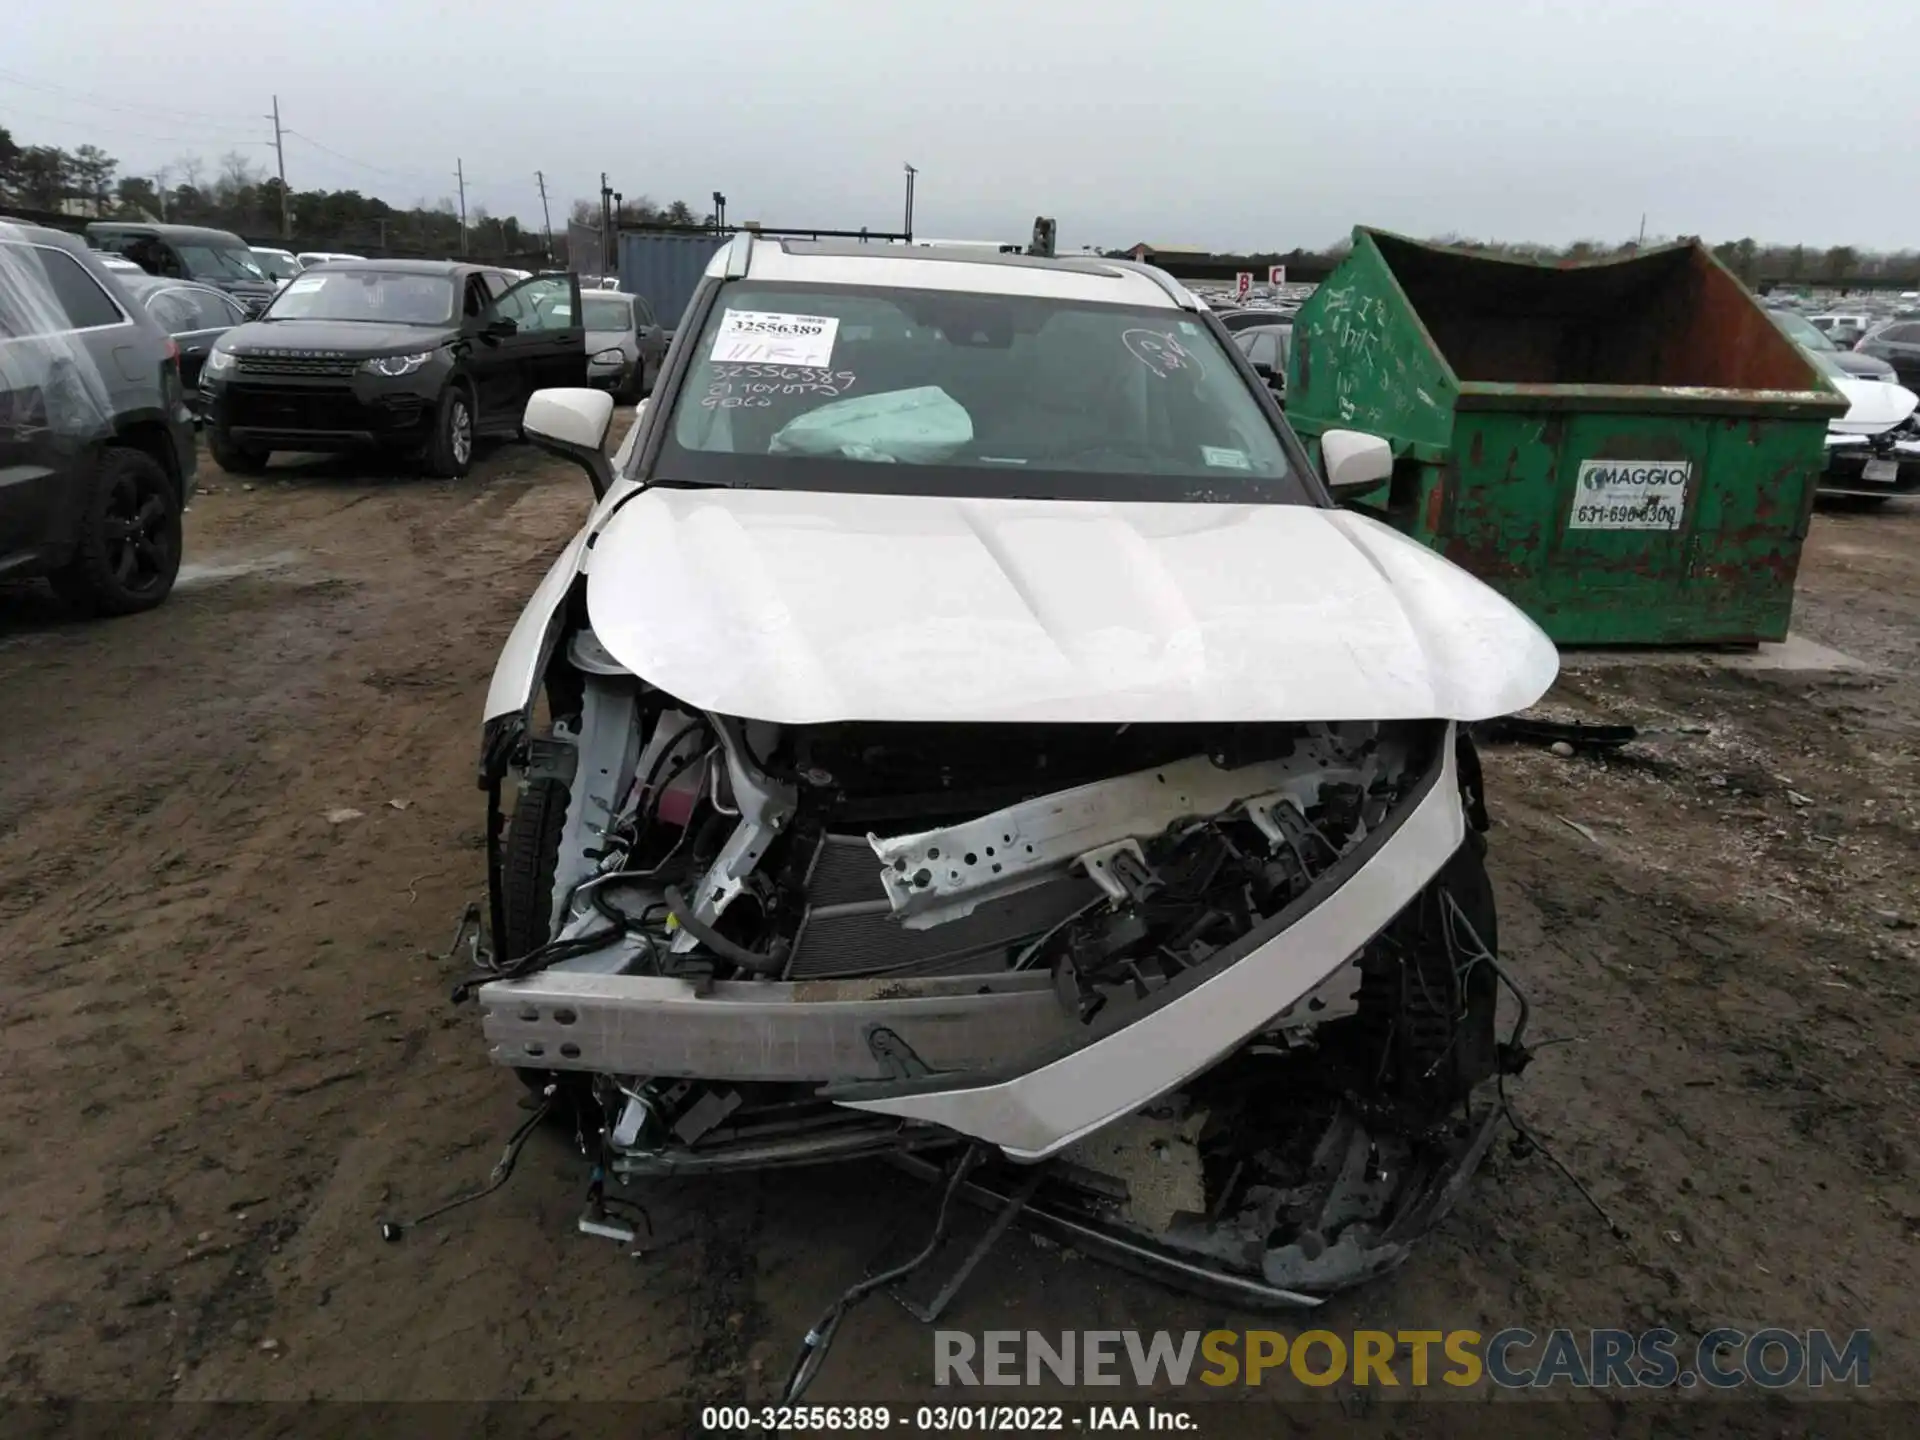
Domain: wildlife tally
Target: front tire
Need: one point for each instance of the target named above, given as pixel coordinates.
(527, 863)
(450, 451)
(128, 550)
(237, 459)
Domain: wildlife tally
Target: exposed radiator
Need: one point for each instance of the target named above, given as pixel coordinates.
(850, 929)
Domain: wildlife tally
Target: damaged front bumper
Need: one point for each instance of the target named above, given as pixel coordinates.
(1115, 1069)
(994, 1057)
(1875, 466)
(1281, 1101)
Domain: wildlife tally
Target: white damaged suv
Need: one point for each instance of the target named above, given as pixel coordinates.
(966, 717)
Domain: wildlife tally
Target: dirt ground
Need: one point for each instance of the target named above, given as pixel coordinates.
(229, 1052)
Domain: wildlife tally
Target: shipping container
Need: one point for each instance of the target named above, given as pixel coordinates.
(665, 266)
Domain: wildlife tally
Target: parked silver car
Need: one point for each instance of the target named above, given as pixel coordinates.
(625, 344)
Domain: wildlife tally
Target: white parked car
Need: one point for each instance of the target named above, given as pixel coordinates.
(309, 258)
(1842, 329)
(279, 266)
(1873, 451)
(966, 720)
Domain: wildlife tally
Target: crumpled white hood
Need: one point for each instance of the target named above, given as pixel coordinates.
(804, 608)
(1873, 406)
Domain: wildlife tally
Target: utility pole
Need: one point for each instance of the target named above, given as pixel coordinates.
(460, 175)
(612, 265)
(280, 153)
(606, 222)
(546, 218)
(1643, 231)
(911, 172)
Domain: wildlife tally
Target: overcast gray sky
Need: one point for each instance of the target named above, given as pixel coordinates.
(1236, 124)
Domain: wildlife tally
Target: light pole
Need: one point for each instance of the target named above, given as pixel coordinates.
(911, 172)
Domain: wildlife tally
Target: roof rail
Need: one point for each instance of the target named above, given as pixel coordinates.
(1180, 296)
(739, 255)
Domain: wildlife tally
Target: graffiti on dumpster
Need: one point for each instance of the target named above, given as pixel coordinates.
(1370, 368)
(1630, 495)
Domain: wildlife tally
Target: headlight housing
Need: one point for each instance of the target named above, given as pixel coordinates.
(219, 362)
(394, 366)
(613, 355)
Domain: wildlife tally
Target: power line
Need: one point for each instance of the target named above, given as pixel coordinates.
(411, 177)
(109, 128)
(364, 165)
(10, 77)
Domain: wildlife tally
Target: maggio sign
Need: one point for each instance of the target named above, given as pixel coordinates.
(1630, 495)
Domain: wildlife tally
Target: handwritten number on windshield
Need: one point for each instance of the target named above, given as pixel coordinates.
(738, 383)
(1162, 353)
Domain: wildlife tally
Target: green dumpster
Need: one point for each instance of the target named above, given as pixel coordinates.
(1627, 449)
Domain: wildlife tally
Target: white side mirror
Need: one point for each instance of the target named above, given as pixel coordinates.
(1354, 462)
(573, 425)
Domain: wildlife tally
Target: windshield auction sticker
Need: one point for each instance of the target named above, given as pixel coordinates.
(762, 337)
(1630, 495)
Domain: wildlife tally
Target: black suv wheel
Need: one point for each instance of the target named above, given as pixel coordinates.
(450, 452)
(236, 459)
(128, 549)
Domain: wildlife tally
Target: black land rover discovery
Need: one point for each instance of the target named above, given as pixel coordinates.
(421, 356)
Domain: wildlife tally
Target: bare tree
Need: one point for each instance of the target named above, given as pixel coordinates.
(237, 173)
(639, 211)
(191, 168)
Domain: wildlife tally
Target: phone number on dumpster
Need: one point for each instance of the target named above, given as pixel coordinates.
(1630, 495)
